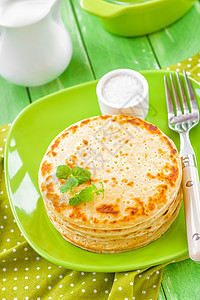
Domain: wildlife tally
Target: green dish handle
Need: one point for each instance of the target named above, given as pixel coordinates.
(101, 8)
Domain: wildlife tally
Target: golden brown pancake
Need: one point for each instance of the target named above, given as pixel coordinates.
(141, 172)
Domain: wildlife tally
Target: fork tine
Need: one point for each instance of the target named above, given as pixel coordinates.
(185, 106)
(194, 107)
(169, 99)
(178, 107)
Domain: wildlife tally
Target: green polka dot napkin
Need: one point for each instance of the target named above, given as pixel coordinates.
(191, 65)
(26, 275)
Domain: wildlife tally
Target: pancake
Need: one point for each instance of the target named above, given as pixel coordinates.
(102, 245)
(141, 172)
(118, 233)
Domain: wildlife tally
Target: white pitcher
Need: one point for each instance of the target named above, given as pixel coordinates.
(35, 46)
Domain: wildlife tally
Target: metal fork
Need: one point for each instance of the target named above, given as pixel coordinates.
(182, 120)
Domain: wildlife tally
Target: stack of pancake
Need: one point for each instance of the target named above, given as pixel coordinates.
(141, 172)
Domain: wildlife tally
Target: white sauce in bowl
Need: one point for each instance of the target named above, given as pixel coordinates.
(122, 90)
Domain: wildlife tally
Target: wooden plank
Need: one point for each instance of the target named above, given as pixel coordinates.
(161, 295)
(79, 69)
(12, 100)
(178, 41)
(181, 280)
(107, 51)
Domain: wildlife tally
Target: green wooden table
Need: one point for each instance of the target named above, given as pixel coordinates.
(95, 52)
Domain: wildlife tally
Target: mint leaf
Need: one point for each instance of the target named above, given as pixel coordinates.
(97, 192)
(102, 189)
(63, 171)
(68, 185)
(95, 189)
(74, 200)
(81, 174)
(87, 193)
(77, 176)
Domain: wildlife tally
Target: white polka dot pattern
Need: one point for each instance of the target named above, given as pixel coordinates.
(190, 65)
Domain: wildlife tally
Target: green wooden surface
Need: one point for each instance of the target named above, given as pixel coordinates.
(180, 40)
(182, 281)
(12, 100)
(95, 52)
(107, 51)
(161, 295)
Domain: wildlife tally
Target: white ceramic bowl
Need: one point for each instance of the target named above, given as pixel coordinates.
(123, 92)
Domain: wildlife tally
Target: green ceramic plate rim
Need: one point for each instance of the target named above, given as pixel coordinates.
(73, 265)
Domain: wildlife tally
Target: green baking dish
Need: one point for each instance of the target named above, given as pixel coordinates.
(134, 18)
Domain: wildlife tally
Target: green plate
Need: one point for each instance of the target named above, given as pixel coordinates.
(27, 141)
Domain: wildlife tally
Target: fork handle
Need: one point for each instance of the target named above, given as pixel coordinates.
(191, 191)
